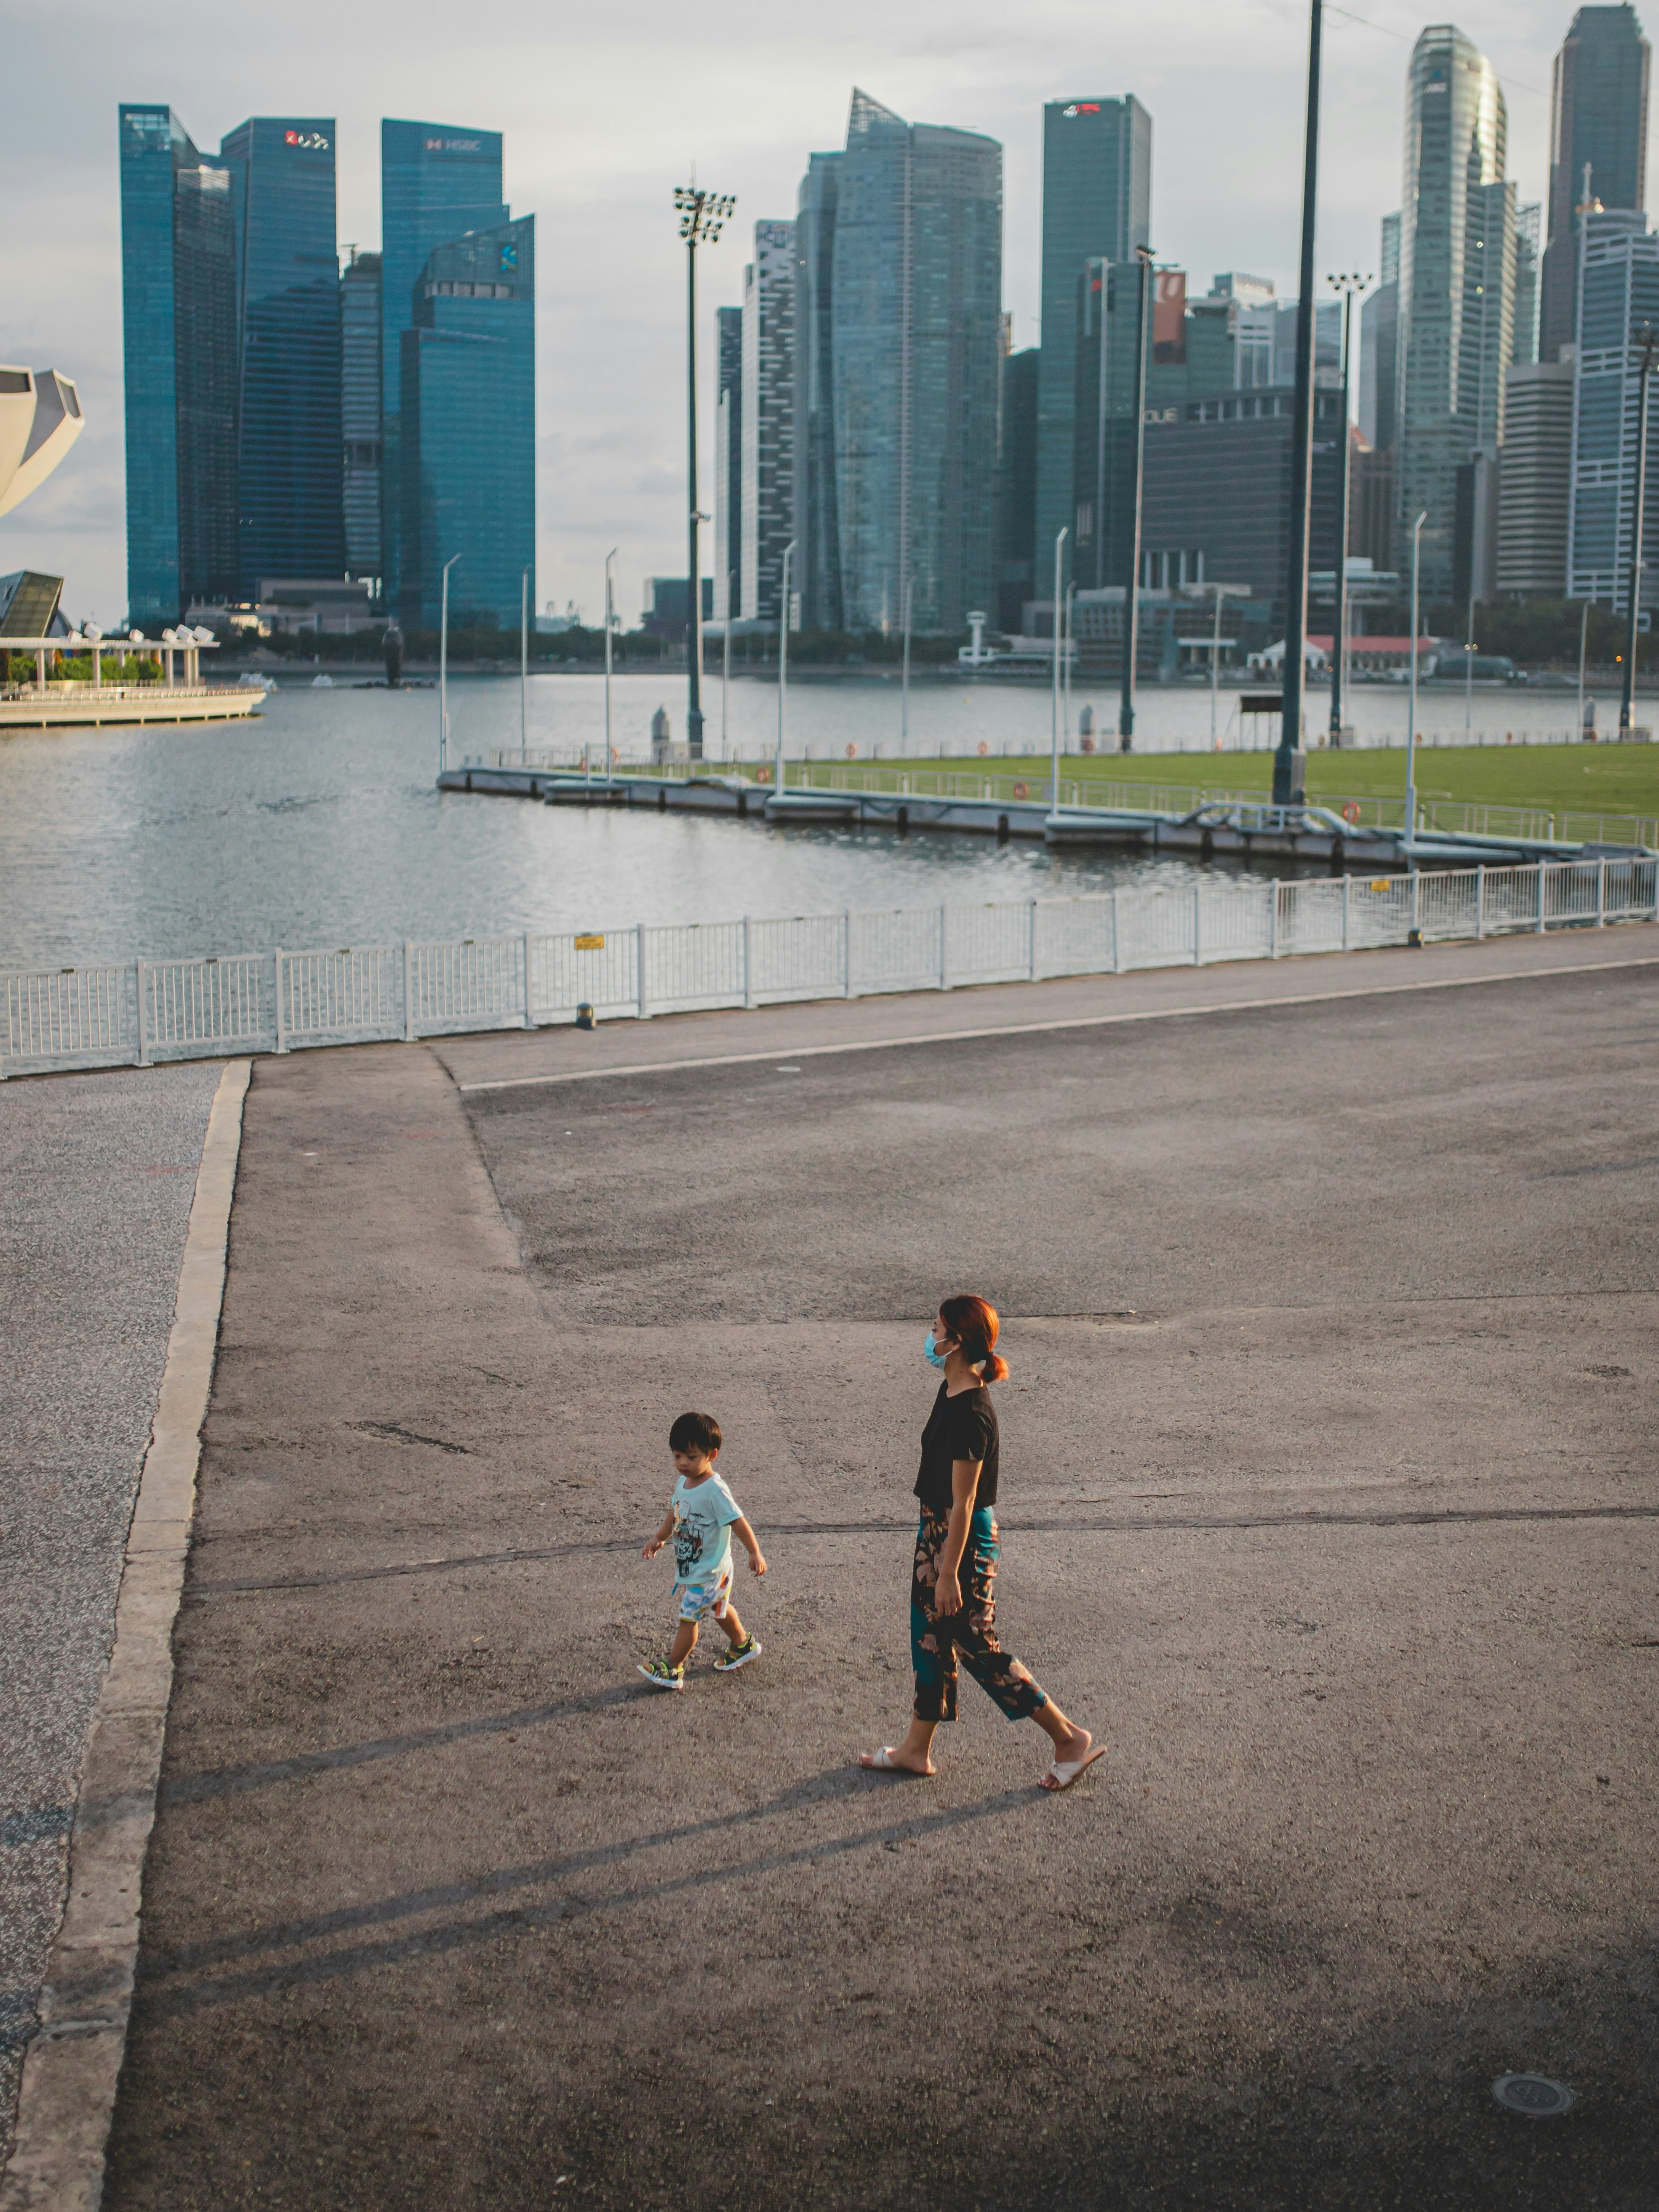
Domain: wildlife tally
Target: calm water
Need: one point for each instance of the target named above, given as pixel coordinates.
(318, 823)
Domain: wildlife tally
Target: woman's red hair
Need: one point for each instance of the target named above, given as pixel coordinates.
(974, 1323)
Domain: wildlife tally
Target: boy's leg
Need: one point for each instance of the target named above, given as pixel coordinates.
(684, 1637)
(733, 1627)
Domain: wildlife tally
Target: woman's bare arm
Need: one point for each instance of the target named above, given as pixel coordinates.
(964, 1482)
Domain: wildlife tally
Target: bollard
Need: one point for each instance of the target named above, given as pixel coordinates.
(585, 1016)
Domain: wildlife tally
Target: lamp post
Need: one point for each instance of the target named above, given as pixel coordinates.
(904, 678)
(1411, 710)
(1290, 762)
(1126, 705)
(1060, 535)
(524, 669)
(726, 659)
(1347, 283)
(1584, 642)
(443, 667)
(783, 660)
(610, 632)
(1628, 696)
(702, 217)
(1221, 592)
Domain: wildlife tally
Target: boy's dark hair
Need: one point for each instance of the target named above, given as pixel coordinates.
(696, 1433)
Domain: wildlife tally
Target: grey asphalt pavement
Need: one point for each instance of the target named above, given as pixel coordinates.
(97, 1173)
(1328, 1501)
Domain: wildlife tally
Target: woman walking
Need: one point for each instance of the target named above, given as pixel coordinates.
(953, 1610)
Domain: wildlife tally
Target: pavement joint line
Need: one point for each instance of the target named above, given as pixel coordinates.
(1126, 1524)
(1039, 1029)
(66, 2101)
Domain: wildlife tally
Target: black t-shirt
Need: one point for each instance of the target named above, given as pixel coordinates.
(964, 1427)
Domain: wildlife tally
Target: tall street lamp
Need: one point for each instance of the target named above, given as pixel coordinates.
(1126, 703)
(703, 215)
(1347, 284)
(610, 634)
(443, 667)
(1411, 710)
(524, 669)
(1060, 535)
(1628, 696)
(783, 662)
(1290, 762)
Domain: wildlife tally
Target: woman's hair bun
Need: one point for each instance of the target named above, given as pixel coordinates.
(974, 1325)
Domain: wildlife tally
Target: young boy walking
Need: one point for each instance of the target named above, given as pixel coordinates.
(702, 1517)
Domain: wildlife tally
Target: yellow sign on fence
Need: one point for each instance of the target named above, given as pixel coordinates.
(590, 944)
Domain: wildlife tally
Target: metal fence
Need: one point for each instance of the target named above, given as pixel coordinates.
(147, 1011)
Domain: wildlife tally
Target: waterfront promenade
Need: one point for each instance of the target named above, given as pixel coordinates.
(1327, 1502)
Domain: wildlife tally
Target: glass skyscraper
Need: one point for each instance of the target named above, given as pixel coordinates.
(916, 321)
(1096, 204)
(818, 560)
(467, 428)
(770, 327)
(179, 306)
(1455, 328)
(728, 463)
(1620, 297)
(1016, 491)
(1598, 116)
(288, 469)
(438, 181)
(360, 414)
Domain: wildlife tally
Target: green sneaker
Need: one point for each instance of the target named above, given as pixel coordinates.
(661, 1675)
(738, 1655)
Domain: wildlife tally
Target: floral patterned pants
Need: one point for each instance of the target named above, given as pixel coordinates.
(935, 1642)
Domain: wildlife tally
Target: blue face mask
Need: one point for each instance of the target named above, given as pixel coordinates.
(931, 1353)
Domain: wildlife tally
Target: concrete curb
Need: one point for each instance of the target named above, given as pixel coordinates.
(67, 2098)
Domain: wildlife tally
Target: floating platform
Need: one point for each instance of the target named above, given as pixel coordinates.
(1222, 829)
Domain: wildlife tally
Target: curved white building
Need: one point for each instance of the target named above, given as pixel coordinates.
(39, 420)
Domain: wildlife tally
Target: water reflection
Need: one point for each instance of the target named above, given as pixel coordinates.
(318, 823)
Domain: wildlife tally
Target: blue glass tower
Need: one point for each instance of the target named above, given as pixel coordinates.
(288, 264)
(916, 316)
(178, 304)
(467, 428)
(438, 181)
(1096, 202)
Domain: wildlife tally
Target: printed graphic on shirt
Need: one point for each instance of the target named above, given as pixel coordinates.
(703, 1514)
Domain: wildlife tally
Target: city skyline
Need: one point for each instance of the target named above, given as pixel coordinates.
(610, 348)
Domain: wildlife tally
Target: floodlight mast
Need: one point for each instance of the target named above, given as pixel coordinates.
(703, 215)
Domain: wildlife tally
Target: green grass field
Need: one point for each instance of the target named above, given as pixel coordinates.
(1596, 778)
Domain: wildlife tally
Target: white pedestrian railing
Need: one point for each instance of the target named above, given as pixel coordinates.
(145, 1011)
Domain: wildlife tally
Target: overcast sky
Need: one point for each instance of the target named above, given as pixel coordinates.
(604, 109)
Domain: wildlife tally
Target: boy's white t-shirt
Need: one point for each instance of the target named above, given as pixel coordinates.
(703, 1514)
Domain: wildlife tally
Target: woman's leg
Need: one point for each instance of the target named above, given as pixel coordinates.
(1001, 1676)
(934, 1660)
(973, 1632)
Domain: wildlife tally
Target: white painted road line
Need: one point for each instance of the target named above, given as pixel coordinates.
(67, 2098)
(1037, 1029)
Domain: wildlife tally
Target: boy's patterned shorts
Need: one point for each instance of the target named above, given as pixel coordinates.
(705, 1601)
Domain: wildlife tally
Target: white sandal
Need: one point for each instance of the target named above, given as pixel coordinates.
(1065, 1771)
(883, 1762)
